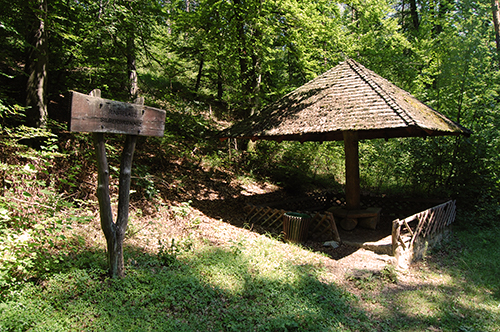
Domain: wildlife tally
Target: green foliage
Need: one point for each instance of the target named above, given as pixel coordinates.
(167, 254)
(183, 209)
(32, 212)
(389, 274)
(145, 181)
(253, 284)
(201, 291)
(370, 281)
(209, 60)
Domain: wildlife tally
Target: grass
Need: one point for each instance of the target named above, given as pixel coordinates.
(454, 289)
(257, 283)
(240, 287)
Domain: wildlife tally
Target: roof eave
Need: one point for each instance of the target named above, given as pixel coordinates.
(410, 131)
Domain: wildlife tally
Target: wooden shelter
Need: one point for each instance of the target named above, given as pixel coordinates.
(350, 103)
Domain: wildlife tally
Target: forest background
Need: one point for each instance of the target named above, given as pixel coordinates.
(229, 58)
(212, 62)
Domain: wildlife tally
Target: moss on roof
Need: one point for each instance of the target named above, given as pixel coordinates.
(345, 98)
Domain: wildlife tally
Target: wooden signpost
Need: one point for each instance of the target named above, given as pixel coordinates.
(91, 113)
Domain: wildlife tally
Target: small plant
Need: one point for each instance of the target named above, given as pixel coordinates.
(364, 280)
(237, 246)
(183, 209)
(167, 255)
(389, 274)
(145, 181)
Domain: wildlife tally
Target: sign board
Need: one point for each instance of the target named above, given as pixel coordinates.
(99, 115)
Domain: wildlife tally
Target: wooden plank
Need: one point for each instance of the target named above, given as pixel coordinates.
(336, 235)
(396, 230)
(99, 115)
(449, 217)
(408, 228)
(422, 219)
(453, 214)
(263, 214)
(440, 214)
(256, 212)
(450, 214)
(321, 220)
(273, 214)
(279, 218)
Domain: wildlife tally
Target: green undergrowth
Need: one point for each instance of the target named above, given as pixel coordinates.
(240, 287)
(455, 288)
(256, 284)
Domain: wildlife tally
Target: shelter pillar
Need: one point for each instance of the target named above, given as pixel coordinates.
(352, 188)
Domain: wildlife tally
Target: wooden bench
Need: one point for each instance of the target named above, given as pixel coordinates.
(349, 219)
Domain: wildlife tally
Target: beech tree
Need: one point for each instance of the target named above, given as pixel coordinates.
(36, 64)
(495, 7)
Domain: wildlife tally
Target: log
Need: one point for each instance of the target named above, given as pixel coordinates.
(348, 224)
(396, 229)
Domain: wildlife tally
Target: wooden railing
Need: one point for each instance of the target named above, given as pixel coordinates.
(424, 224)
(400, 207)
(411, 236)
(270, 218)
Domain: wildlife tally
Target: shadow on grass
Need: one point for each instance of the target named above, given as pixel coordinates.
(440, 308)
(238, 288)
(454, 289)
(213, 290)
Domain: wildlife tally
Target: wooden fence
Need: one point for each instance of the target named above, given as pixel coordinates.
(270, 218)
(399, 207)
(412, 235)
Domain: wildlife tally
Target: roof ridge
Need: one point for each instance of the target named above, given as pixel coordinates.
(358, 68)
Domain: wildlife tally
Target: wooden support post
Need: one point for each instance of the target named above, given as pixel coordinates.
(114, 232)
(396, 231)
(123, 200)
(352, 188)
(106, 215)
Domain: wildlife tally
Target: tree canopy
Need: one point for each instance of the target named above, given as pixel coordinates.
(236, 56)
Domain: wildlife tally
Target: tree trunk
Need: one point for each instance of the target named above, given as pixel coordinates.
(200, 71)
(131, 66)
(106, 215)
(36, 67)
(496, 21)
(249, 60)
(220, 81)
(414, 15)
(123, 203)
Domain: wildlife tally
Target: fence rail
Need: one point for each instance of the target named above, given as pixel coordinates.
(270, 218)
(423, 225)
(400, 207)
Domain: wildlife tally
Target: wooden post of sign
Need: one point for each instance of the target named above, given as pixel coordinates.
(107, 225)
(91, 113)
(114, 232)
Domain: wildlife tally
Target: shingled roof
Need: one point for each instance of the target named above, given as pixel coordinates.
(348, 97)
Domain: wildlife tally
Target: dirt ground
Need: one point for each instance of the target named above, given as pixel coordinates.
(211, 205)
(224, 220)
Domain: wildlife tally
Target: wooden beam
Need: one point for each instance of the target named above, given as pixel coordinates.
(352, 188)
